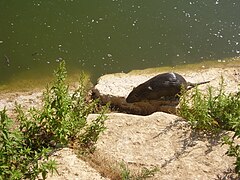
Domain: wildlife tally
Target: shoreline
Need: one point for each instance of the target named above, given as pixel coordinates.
(122, 126)
(36, 84)
(31, 95)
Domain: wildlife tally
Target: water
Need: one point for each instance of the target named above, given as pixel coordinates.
(113, 35)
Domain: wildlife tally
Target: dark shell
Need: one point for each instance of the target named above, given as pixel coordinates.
(160, 86)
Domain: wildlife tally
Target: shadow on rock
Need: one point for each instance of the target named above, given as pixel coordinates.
(119, 104)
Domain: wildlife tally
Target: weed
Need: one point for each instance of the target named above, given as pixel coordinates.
(195, 108)
(88, 138)
(18, 161)
(125, 172)
(210, 112)
(62, 119)
(233, 151)
(143, 174)
(147, 173)
(214, 113)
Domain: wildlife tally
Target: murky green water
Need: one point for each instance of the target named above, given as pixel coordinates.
(114, 35)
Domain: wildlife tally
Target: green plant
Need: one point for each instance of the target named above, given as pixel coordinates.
(233, 151)
(89, 136)
(18, 161)
(143, 174)
(125, 172)
(210, 112)
(147, 173)
(195, 108)
(61, 120)
(63, 117)
(214, 113)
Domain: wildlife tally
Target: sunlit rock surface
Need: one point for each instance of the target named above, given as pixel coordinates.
(165, 141)
(114, 88)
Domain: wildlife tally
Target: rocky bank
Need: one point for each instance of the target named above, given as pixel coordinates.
(159, 139)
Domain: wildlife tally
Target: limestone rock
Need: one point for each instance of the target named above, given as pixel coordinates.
(114, 88)
(70, 167)
(165, 141)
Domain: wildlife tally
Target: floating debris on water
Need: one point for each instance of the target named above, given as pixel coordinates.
(35, 53)
(7, 60)
(59, 59)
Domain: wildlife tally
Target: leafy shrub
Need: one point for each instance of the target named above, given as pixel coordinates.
(214, 113)
(62, 119)
(211, 112)
(195, 108)
(18, 161)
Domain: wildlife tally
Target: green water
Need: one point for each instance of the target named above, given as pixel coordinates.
(108, 36)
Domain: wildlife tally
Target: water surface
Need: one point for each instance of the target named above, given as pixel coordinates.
(108, 36)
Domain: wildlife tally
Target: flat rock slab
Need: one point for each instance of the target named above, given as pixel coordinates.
(70, 167)
(165, 141)
(114, 88)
